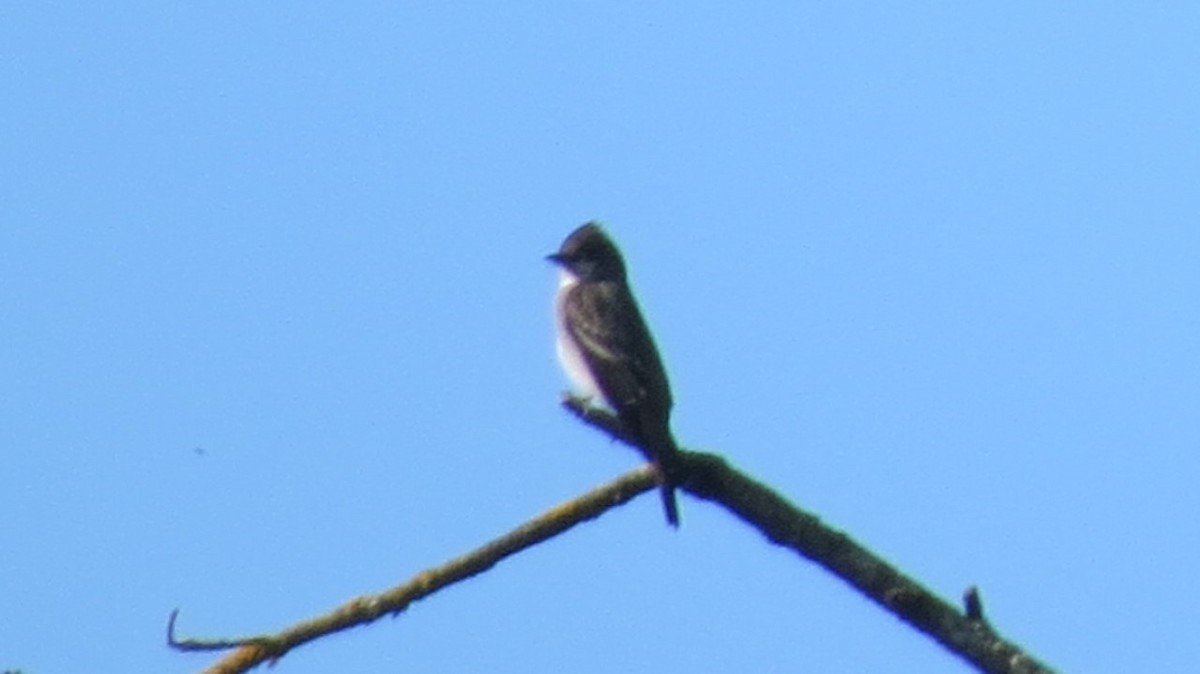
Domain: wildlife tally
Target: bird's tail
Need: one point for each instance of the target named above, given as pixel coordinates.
(669, 504)
(665, 456)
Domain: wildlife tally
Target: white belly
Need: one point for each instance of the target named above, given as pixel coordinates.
(569, 355)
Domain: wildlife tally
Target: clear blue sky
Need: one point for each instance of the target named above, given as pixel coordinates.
(275, 325)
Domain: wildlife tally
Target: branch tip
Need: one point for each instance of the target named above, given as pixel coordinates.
(171, 629)
(973, 604)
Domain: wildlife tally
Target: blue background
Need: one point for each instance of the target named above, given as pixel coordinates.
(276, 325)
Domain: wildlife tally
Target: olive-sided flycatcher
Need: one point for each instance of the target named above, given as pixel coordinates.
(607, 351)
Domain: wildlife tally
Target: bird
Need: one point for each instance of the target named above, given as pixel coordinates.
(607, 351)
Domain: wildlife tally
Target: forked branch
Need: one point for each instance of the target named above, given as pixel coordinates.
(706, 476)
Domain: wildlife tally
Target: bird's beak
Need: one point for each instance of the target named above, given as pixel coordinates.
(556, 258)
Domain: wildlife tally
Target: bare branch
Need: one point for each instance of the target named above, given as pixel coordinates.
(709, 477)
(253, 651)
(205, 644)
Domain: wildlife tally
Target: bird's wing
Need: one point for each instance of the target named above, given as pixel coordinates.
(623, 360)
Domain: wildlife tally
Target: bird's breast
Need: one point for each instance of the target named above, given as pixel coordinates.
(570, 356)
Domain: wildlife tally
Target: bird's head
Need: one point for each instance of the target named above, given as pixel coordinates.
(590, 255)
